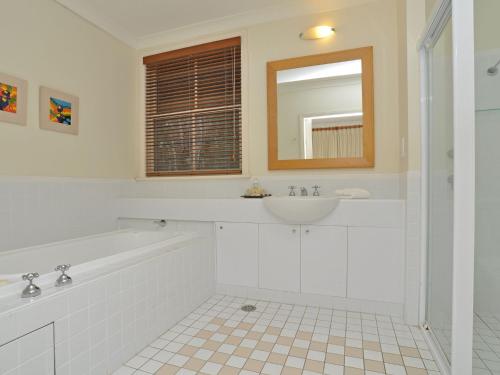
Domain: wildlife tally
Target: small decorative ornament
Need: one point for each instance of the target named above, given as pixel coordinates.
(58, 111)
(13, 99)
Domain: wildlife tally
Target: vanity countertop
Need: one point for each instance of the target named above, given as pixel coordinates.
(350, 212)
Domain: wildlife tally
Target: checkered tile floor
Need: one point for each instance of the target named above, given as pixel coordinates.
(219, 338)
(486, 356)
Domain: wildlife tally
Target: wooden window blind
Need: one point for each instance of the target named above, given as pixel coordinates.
(193, 110)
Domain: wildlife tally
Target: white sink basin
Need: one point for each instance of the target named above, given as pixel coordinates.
(301, 210)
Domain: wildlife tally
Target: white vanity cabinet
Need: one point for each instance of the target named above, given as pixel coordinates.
(324, 260)
(376, 264)
(279, 257)
(237, 253)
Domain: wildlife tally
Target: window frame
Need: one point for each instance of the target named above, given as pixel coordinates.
(200, 46)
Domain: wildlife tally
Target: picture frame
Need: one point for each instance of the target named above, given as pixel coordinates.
(59, 111)
(13, 99)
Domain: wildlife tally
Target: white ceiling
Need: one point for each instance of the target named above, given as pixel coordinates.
(141, 22)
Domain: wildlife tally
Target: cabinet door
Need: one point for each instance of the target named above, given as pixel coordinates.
(376, 264)
(279, 257)
(324, 260)
(237, 254)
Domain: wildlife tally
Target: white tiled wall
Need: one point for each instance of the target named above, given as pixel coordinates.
(41, 210)
(102, 323)
(381, 186)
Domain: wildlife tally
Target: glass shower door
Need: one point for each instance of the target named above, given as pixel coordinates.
(440, 190)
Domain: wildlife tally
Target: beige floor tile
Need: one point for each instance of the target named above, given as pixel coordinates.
(287, 341)
(335, 340)
(168, 370)
(291, 371)
(409, 352)
(394, 359)
(203, 334)
(374, 366)
(218, 321)
(372, 345)
(336, 359)
(265, 346)
(220, 358)
(243, 352)
(226, 370)
(245, 326)
(298, 352)
(353, 352)
(211, 345)
(276, 358)
(315, 366)
(254, 335)
(188, 350)
(273, 331)
(233, 340)
(194, 364)
(318, 346)
(353, 371)
(416, 371)
(225, 330)
(304, 335)
(254, 365)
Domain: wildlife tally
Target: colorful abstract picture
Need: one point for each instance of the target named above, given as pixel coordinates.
(60, 111)
(8, 98)
(13, 100)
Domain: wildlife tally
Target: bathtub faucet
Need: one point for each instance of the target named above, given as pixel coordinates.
(63, 279)
(31, 290)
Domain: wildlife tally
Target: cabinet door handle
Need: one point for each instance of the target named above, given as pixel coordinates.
(294, 230)
(221, 227)
(307, 231)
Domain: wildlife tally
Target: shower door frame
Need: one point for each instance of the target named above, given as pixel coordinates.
(462, 18)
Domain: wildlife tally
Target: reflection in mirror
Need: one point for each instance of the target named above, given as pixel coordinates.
(320, 111)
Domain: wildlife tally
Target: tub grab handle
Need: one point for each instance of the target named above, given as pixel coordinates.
(63, 279)
(31, 289)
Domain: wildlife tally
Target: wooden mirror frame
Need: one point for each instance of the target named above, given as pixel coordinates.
(368, 160)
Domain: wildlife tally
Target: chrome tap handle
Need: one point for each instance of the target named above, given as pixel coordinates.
(31, 289)
(63, 267)
(31, 276)
(316, 191)
(292, 191)
(63, 279)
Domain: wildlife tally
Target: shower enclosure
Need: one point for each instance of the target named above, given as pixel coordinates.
(486, 354)
(448, 183)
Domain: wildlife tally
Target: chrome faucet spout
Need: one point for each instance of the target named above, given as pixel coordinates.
(303, 192)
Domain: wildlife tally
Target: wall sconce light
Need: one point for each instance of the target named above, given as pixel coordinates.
(317, 32)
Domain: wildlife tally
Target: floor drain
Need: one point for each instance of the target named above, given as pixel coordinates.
(249, 308)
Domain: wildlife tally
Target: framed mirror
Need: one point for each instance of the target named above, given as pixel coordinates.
(321, 111)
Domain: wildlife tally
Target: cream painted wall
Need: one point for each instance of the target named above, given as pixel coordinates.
(429, 6)
(373, 24)
(48, 45)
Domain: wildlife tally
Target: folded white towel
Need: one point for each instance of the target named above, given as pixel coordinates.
(353, 193)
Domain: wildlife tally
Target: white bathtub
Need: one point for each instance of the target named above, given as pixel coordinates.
(128, 288)
(85, 254)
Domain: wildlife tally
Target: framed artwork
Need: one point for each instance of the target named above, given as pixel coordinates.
(58, 111)
(13, 99)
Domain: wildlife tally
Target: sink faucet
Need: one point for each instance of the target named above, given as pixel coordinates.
(316, 191)
(292, 191)
(303, 192)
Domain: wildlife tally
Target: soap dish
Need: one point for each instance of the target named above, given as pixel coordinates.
(256, 196)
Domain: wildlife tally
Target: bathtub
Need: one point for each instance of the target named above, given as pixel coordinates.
(84, 254)
(128, 287)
